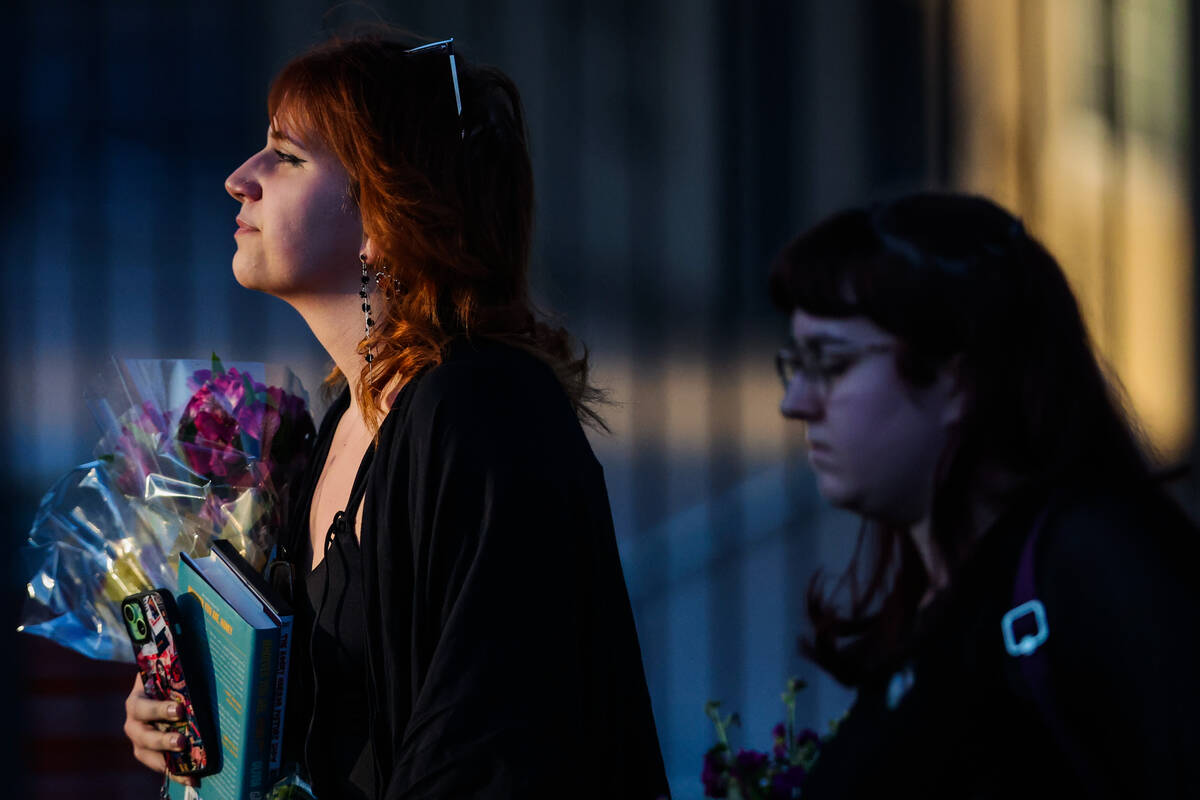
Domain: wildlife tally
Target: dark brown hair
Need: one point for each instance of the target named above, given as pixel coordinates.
(446, 201)
(955, 276)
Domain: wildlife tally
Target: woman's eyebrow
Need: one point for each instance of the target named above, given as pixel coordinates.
(277, 135)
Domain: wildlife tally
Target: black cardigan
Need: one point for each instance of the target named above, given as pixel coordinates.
(1114, 569)
(503, 661)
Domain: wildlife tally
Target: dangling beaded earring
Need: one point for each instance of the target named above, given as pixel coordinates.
(366, 305)
(389, 288)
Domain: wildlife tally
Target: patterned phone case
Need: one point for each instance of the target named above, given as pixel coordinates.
(152, 621)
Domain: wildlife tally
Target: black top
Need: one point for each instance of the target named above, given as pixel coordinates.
(502, 656)
(1123, 621)
(338, 748)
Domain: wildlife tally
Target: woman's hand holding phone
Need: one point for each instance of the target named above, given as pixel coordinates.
(150, 743)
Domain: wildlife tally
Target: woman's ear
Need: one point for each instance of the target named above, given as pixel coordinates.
(368, 247)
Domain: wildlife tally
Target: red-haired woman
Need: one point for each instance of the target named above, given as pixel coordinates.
(1029, 619)
(471, 635)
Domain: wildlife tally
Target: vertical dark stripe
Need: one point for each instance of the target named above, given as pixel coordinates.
(89, 257)
(722, 338)
(1031, 83)
(17, 151)
(173, 318)
(21, 266)
(802, 551)
(940, 86)
(801, 543)
(895, 115)
(1113, 192)
(418, 17)
(211, 246)
(643, 88)
(772, 139)
(775, 141)
(560, 205)
(485, 20)
(1192, 17)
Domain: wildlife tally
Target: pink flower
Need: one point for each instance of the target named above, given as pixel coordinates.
(232, 426)
(214, 427)
(233, 387)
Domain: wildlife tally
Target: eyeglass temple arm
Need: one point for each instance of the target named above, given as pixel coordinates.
(448, 44)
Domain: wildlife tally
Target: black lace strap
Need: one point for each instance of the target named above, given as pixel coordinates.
(343, 521)
(291, 539)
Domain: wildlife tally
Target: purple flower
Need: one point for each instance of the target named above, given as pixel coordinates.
(715, 775)
(787, 784)
(249, 418)
(748, 762)
(780, 748)
(142, 428)
(807, 735)
(199, 378)
(228, 390)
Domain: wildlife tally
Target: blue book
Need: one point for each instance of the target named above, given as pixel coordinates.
(242, 633)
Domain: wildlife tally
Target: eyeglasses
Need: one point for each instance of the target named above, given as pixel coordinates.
(820, 363)
(446, 46)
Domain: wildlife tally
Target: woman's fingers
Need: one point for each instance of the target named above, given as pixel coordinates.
(140, 707)
(147, 737)
(153, 759)
(149, 743)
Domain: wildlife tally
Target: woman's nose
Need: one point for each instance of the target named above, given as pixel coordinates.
(241, 184)
(803, 399)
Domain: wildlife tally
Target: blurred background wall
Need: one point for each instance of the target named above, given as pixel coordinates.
(677, 146)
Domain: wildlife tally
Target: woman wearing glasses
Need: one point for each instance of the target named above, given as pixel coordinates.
(454, 554)
(1019, 619)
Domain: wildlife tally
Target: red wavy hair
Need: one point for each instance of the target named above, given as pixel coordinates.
(446, 201)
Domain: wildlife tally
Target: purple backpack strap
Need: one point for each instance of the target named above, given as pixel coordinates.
(1026, 628)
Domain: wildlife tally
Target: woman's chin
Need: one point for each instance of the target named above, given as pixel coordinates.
(834, 490)
(245, 272)
(249, 276)
(243, 282)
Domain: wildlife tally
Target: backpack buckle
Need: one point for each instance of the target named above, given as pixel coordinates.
(1030, 641)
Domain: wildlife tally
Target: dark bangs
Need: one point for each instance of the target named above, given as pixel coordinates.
(843, 267)
(818, 272)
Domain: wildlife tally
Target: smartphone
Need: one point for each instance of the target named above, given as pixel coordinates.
(155, 631)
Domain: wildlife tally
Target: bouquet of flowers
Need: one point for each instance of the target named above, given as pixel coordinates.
(190, 452)
(755, 775)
